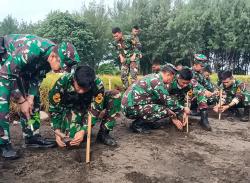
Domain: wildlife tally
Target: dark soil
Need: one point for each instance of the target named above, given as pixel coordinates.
(165, 155)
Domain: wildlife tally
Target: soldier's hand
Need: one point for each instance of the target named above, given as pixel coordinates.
(216, 108)
(216, 93)
(187, 110)
(26, 109)
(177, 123)
(78, 138)
(208, 93)
(122, 59)
(223, 108)
(59, 138)
(132, 58)
(140, 56)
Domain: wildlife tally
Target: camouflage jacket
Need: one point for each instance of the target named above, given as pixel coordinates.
(137, 44)
(148, 90)
(208, 85)
(126, 47)
(237, 92)
(198, 76)
(63, 98)
(26, 56)
(194, 89)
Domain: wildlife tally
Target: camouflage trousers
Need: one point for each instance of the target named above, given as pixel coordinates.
(74, 120)
(131, 67)
(148, 112)
(29, 127)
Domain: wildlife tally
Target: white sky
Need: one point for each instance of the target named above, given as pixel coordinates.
(34, 10)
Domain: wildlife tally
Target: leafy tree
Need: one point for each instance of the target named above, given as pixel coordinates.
(63, 26)
(107, 68)
(9, 25)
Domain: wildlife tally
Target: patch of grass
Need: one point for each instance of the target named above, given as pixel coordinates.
(115, 81)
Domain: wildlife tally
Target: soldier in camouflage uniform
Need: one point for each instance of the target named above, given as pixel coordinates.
(183, 84)
(200, 61)
(25, 59)
(126, 52)
(236, 96)
(147, 100)
(136, 42)
(206, 72)
(72, 96)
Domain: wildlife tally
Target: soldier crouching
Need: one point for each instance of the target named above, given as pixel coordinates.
(147, 101)
(236, 96)
(72, 97)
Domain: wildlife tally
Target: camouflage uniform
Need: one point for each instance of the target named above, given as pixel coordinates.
(199, 77)
(69, 109)
(126, 47)
(148, 99)
(194, 89)
(137, 46)
(237, 93)
(23, 66)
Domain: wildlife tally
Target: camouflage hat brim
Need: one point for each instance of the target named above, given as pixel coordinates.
(68, 55)
(200, 59)
(169, 68)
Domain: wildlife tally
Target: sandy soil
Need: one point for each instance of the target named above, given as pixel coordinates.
(165, 155)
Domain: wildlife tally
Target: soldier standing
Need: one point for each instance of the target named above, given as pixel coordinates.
(125, 48)
(25, 61)
(72, 96)
(136, 42)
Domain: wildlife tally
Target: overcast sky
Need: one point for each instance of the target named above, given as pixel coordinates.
(34, 10)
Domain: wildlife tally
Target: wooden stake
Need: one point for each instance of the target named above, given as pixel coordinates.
(220, 103)
(187, 115)
(110, 85)
(88, 139)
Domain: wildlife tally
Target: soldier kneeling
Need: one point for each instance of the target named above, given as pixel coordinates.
(72, 97)
(236, 96)
(147, 101)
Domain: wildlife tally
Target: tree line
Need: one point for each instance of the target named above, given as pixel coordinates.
(172, 31)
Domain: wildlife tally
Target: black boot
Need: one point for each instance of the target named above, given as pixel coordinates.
(8, 152)
(204, 120)
(245, 117)
(138, 126)
(152, 125)
(194, 112)
(37, 141)
(104, 137)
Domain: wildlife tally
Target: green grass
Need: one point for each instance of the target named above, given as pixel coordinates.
(243, 78)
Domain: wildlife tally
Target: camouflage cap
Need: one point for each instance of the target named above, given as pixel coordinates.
(169, 68)
(200, 59)
(68, 54)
